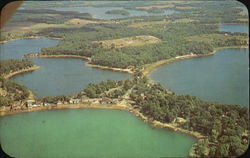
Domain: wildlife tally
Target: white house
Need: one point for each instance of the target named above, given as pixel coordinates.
(74, 101)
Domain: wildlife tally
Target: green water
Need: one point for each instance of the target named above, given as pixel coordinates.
(88, 133)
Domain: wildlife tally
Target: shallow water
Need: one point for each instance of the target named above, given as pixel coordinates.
(88, 133)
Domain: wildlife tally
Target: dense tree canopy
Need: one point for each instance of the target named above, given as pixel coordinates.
(8, 66)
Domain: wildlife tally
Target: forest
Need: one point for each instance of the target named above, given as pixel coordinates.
(11, 92)
(47, 16)
(193, 30)
(224, 126)
(12, 65)
(173, 43)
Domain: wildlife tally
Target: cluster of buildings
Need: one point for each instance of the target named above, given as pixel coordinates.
(104, 100)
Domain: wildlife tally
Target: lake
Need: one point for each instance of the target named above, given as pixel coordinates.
(234, 28)
(222, 77)
(57, 76)
(99, 12)
(88, 133)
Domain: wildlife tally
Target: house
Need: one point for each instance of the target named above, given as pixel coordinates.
(115, 101)
(83, 97)
(106, 101)
(74, 101)
(30, 103)
(59, 103)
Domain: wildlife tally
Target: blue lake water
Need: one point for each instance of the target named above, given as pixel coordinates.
(99, 12)
(56, 76)
(234, 28)
(223, 77)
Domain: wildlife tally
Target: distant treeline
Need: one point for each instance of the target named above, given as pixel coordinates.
(48, 16)
(118, 11)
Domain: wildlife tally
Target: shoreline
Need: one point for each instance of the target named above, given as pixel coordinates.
(152, 67)
(10, 75)
(109, 68)
(31, 37)
(130, 109)
(83, 58)
(57, 56)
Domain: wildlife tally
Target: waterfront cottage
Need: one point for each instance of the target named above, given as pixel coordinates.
(74, 101)
(59, 103)
(106, 101)
(30, 103)
(115, 101)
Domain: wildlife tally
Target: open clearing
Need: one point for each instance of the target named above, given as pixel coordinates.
(148, 24)
(184, 8)
(83, 21)
(129, 41)
(156, 6)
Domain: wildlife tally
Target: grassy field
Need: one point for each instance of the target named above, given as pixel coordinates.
(156, 6)
(243, 20)
(184, 8)
(129, 41)
(84, 22)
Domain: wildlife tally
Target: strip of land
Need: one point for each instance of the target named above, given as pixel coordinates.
(151, 67)
(109, 68)
(10, 75)
(84, 58)
(156, 6)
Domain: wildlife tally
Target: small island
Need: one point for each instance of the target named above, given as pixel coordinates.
(155, 10)
(118, 11)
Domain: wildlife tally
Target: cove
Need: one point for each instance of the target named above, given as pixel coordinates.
(57, 76)
(234, 28)
(222, 77)
(88, 133)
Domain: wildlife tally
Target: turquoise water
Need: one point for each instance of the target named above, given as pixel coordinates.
(57, 76)
(234, 28)
(88, 133)
(99, 12)
(222, 77)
